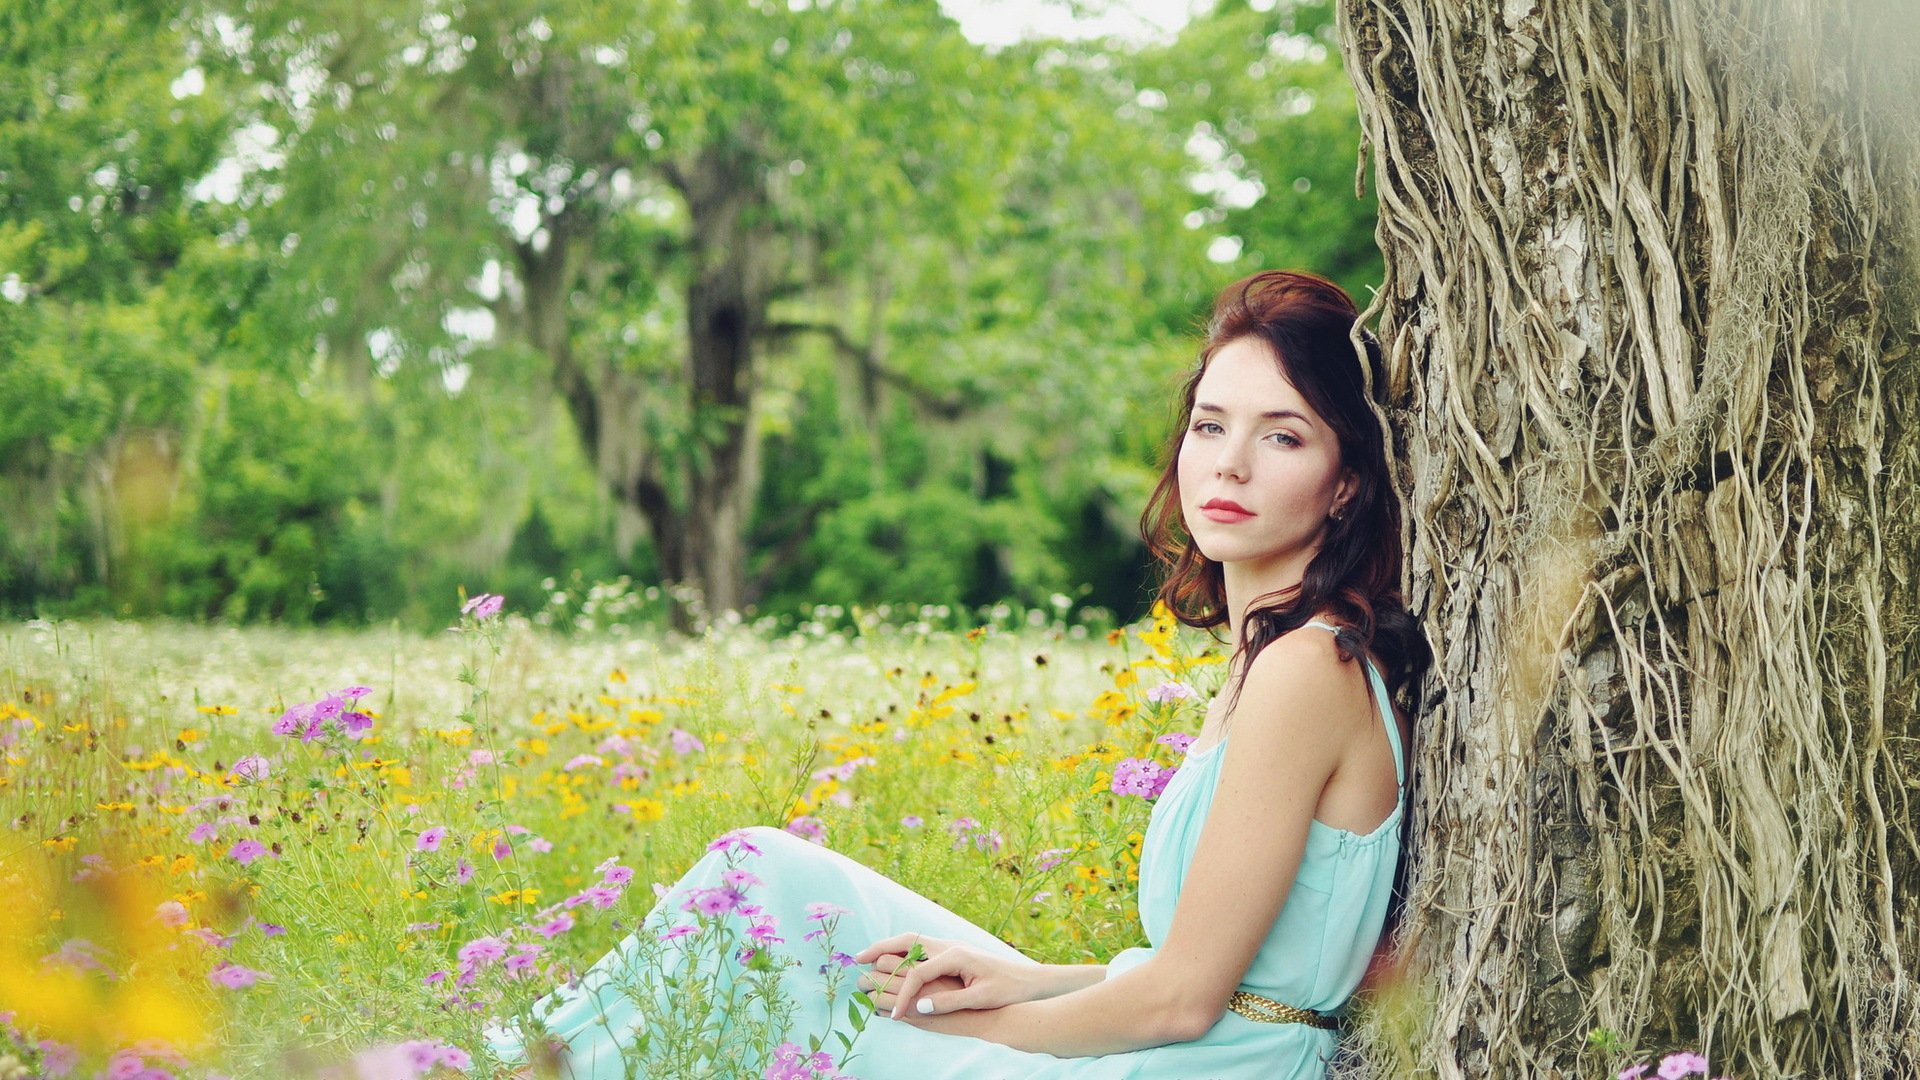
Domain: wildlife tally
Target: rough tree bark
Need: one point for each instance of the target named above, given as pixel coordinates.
(1651, 320)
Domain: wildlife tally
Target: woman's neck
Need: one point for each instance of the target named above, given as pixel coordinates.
(1246, 583)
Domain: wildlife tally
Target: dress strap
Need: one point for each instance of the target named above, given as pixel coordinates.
(1386, 711)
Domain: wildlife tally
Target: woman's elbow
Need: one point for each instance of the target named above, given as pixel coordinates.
(1192, 1022)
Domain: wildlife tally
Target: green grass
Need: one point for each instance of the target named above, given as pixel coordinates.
(122, 735)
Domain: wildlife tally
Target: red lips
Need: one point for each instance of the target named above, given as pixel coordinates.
(1225, 512)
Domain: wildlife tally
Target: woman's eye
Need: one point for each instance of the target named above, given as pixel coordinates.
(1286, 438)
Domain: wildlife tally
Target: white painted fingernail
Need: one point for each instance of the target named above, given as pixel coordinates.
(925, 1005)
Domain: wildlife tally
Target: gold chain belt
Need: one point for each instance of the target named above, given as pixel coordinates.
(1268, 1011)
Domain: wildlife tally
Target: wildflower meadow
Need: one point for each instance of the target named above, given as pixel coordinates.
(269, 852)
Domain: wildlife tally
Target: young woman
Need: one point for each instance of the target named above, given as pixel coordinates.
(1268, 866)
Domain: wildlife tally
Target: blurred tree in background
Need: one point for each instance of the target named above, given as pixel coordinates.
(319, 310)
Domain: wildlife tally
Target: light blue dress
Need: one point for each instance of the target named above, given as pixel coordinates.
(1313, 958)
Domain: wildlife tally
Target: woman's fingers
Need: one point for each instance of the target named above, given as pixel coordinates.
(916, 978)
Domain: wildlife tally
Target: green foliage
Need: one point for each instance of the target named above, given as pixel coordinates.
(267, 352)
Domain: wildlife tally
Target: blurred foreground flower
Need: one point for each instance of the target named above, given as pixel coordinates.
(94, 965)
(483, 607)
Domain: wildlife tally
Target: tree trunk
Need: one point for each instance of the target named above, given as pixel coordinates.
(694, 497)
(731, 252)
(1651, 325)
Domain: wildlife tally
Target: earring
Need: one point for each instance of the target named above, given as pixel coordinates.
(1338, 513)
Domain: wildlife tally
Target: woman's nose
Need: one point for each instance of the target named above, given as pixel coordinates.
(1232, 461)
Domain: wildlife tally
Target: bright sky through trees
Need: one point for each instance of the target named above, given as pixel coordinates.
(1002, 22)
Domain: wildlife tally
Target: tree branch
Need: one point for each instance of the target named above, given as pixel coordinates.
(945, 406)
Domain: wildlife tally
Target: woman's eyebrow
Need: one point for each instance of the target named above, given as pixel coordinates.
(1273, 414)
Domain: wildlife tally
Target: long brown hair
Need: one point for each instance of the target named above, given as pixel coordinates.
(1307, 324)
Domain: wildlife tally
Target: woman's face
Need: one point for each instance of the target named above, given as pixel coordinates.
(1253, 441)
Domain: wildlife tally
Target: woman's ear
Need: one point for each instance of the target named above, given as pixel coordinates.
(1343, 494)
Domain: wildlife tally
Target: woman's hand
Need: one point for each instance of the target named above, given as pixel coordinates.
(952, 977)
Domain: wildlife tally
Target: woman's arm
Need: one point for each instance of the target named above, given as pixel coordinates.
(1052, 980)
(1286, 743)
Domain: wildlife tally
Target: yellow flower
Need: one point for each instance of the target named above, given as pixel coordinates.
(617, 676)
(189, 735)
(648, 809)
(60, 843)
(218, 710)
(952, 692)
(684, 787)
(113, 806)
(516, 896)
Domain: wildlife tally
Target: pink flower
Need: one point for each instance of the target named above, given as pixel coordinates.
(561, 923)
(232, 976)
(763, 933)
(843, 771)
(483, 607)
(617, 875)
(684, 742)
(353, 722)
(246, 851)
(463, 872)
(600, 896)
(540, 844)
(501, 849)
(819, 910)
(57, 1059)
(1170, 691)
(808, 828)
(354, 691)
(1634, 1072)
(253, 767)
(740, 878)
(293, 721)
(912, 821)
(203, 832)
(581, 761)
(678, 932)
(1685, 1063)
(1141, 777)
(713, 902)
(482, 951)
(172, 914)
(1179, 740)
(734, 841)
(430, 840)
